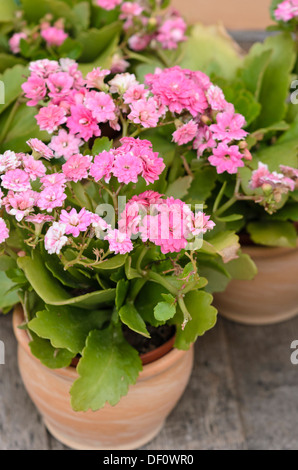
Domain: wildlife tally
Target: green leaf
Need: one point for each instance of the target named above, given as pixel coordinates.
(121, 292)
(226, 244)
(101, 144)
(7, 10)
(130, 317)
(6, 262)
(107, 367)
(49, 356)
(279, 154)
(7, 298)
(203, 184)
(34, 10)
(130, 272)
(70, 48)
(211, 50)
(12, 80)
(288, 212)
(68, 327)
(198, 304)
(112, 263)
(95, 41)
(254, 66)
(179, 188)
(273, 233)
(8, 61)
(51, 291)
(163, 311)
(276, 80)
(104, 60)
(242, 268)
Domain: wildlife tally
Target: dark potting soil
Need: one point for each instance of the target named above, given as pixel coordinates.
(159, 336)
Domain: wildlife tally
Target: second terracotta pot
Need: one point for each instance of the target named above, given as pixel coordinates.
(133, 422)
(271, 297)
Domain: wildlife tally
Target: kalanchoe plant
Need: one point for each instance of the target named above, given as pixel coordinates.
(95, 239)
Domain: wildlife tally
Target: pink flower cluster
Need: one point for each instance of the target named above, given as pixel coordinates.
(286, 10)
(53, 35)
(132, 159)
(207, 119)
(148, 29)
(168, 223)
(273, 184)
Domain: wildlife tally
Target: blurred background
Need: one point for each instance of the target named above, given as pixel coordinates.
(235, 14)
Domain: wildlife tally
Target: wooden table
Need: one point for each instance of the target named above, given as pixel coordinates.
(243, 394)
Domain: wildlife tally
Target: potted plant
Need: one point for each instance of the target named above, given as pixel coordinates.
(106, 257)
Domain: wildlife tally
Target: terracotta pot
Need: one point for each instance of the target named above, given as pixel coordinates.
(133, 422)
(271, 297)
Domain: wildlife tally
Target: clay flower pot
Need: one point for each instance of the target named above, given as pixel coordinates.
(271, 297)
(133, 422)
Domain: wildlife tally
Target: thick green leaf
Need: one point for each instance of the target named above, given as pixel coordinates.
(121, 292)
(95, 41)
(203, 184)
(273, 233)
(285, 153)
(226, 244)
(198, 304)
(150, 295)
(7, 298)
(12, 80)
(68, 327)
(242, 268)
(131, 317)
(6, 262)
(51, 357)
(254, 66)
(276, 80)
(101, 144)
(107, 367)
(51, 291)
(211, 50)
(8, 61)
(163, 311)
(7, 10)
(104, 60)
(179, 188)
(113, 263)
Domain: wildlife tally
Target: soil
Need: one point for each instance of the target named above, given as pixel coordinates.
(159, 336)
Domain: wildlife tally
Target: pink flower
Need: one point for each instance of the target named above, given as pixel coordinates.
(263, 177)
(53, 36)
(216, 98)
(9, 161)
(144, 112)
(14, 42)
(34, 89)
(122, 82)
(39, 219)
(75, 222)
(286, 10)
(152, 165)
(82, 123)
(171, 33)
(50, 118)
(65, 145)
(34, 168)
(204, 140)
(118, 64)
(55, 238)
(16, 180)
(4, 232)
(176, 89)
(43, 68)
(53, 179)
(202, 224)
(186, 133)
(169, 226)
(20, 204)
(139, 42)
(135, 93)
(76, 168)
(127, 167)
(130, 9)
(95, 79)
(102, 166)
(119, 242)
(98, 222)
(101, 105)
(40, 148)
(289, 172)
(258, 175)
(59, 85)
(51, 197)
(108, 4)
(226, 158)
(228, 127)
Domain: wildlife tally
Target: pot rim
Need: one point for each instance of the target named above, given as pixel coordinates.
(69, 373)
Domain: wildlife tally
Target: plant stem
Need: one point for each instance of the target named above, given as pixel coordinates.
(162, 281)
